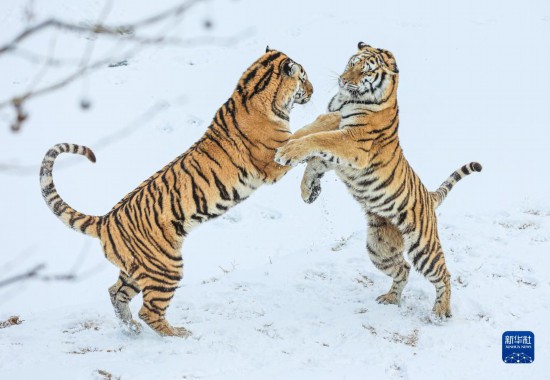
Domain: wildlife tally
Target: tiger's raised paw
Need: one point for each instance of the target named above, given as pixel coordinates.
(310, 191)
(293, 153)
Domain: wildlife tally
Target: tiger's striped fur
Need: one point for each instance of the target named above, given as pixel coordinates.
(360, 142)
(143, 233)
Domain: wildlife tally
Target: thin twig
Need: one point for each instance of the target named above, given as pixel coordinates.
(125, 32)
(184, 43)
(18, 101)
(31, 273)
(99, 28)
(74, 274)
(45, 65)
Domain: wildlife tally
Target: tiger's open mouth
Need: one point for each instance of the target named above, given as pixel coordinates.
(302, 96)
(297, 99)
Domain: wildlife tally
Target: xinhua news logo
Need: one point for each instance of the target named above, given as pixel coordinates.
(518, 347)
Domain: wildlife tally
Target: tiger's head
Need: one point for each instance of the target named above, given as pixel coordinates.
(371, 75)
(273, 84)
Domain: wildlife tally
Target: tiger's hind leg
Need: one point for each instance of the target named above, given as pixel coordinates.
(157, 294)
(427, 257)
(385, 249)
(442, 283)
(436, 272)
(121, 294)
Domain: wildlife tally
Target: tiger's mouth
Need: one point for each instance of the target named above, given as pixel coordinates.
(302, 99)
(301, 96)
(296, 100)
(355, 91)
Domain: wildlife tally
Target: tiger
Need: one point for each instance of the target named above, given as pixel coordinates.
(143, 233)
(359, 140)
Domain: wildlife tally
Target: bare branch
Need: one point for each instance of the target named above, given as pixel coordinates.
(125, 32)
(73, 274)
(31, 273)
(175, 12)
(18, 101)
(35, 273)
(36, 58)
(99, 28)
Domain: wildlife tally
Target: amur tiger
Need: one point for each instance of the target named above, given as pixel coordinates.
(143, 233)
(360, 142)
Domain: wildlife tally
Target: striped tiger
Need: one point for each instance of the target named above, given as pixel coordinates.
(142, 235)
(360, 142)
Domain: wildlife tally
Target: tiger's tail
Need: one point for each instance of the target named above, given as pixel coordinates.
(86, 224)
(440, 194)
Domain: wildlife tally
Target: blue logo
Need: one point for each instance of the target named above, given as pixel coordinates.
(518, 347)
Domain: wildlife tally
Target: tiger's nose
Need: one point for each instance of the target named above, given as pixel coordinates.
(309, 87)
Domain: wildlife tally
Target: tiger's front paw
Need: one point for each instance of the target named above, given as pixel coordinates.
(310, 190)
(292, 153)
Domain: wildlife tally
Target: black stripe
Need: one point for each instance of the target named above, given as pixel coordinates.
(251, 74)
(221, 187)
(271, 58)
(202, 151)
(355, 114)
(263, 82)
(390, 178)
(402, 218)
(84, 226)
(198, 170)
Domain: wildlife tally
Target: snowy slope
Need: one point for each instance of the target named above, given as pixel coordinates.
(276, 288)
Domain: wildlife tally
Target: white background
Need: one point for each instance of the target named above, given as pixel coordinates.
(299, 298)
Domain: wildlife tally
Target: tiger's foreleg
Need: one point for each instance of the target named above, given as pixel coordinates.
(325, 122)
(316, 167)
(121, 294)
(385, 249)
(336, 147)
(311, 180)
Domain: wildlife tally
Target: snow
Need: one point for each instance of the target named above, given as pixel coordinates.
(278, 289)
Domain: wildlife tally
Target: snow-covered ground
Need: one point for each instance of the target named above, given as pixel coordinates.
(277, 289)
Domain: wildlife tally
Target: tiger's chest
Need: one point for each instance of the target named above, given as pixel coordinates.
(353, 178)
(358, 181)
(361, 183)
(366, 187)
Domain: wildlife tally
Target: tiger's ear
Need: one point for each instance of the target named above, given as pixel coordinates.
(289, 67)
(389, 60)
(362, 45)
(267, 49)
